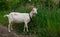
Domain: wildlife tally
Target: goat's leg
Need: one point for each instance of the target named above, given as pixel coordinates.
(9, 27)
(26, 26)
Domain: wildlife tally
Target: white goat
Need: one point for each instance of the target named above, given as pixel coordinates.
(15, 17)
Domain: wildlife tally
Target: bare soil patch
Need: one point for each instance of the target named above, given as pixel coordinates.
(4, 33)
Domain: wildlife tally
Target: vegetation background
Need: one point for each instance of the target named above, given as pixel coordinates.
(45, 24)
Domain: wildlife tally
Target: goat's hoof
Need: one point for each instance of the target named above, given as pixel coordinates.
(11, 28)
(27, 30)
(24, 30)
(9, 31)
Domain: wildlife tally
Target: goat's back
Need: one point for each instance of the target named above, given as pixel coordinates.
(19, 17)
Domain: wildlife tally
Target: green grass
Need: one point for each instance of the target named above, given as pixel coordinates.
(45, 24)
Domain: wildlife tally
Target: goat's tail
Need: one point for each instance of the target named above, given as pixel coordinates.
(6, 15)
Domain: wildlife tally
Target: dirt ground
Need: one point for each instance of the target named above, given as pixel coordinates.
(4, 33)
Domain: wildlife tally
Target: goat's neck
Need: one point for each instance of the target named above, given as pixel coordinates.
(31, 14)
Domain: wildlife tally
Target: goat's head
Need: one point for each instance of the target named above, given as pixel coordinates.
(34, 11)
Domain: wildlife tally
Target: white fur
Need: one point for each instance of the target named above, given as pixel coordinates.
(16, 17)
